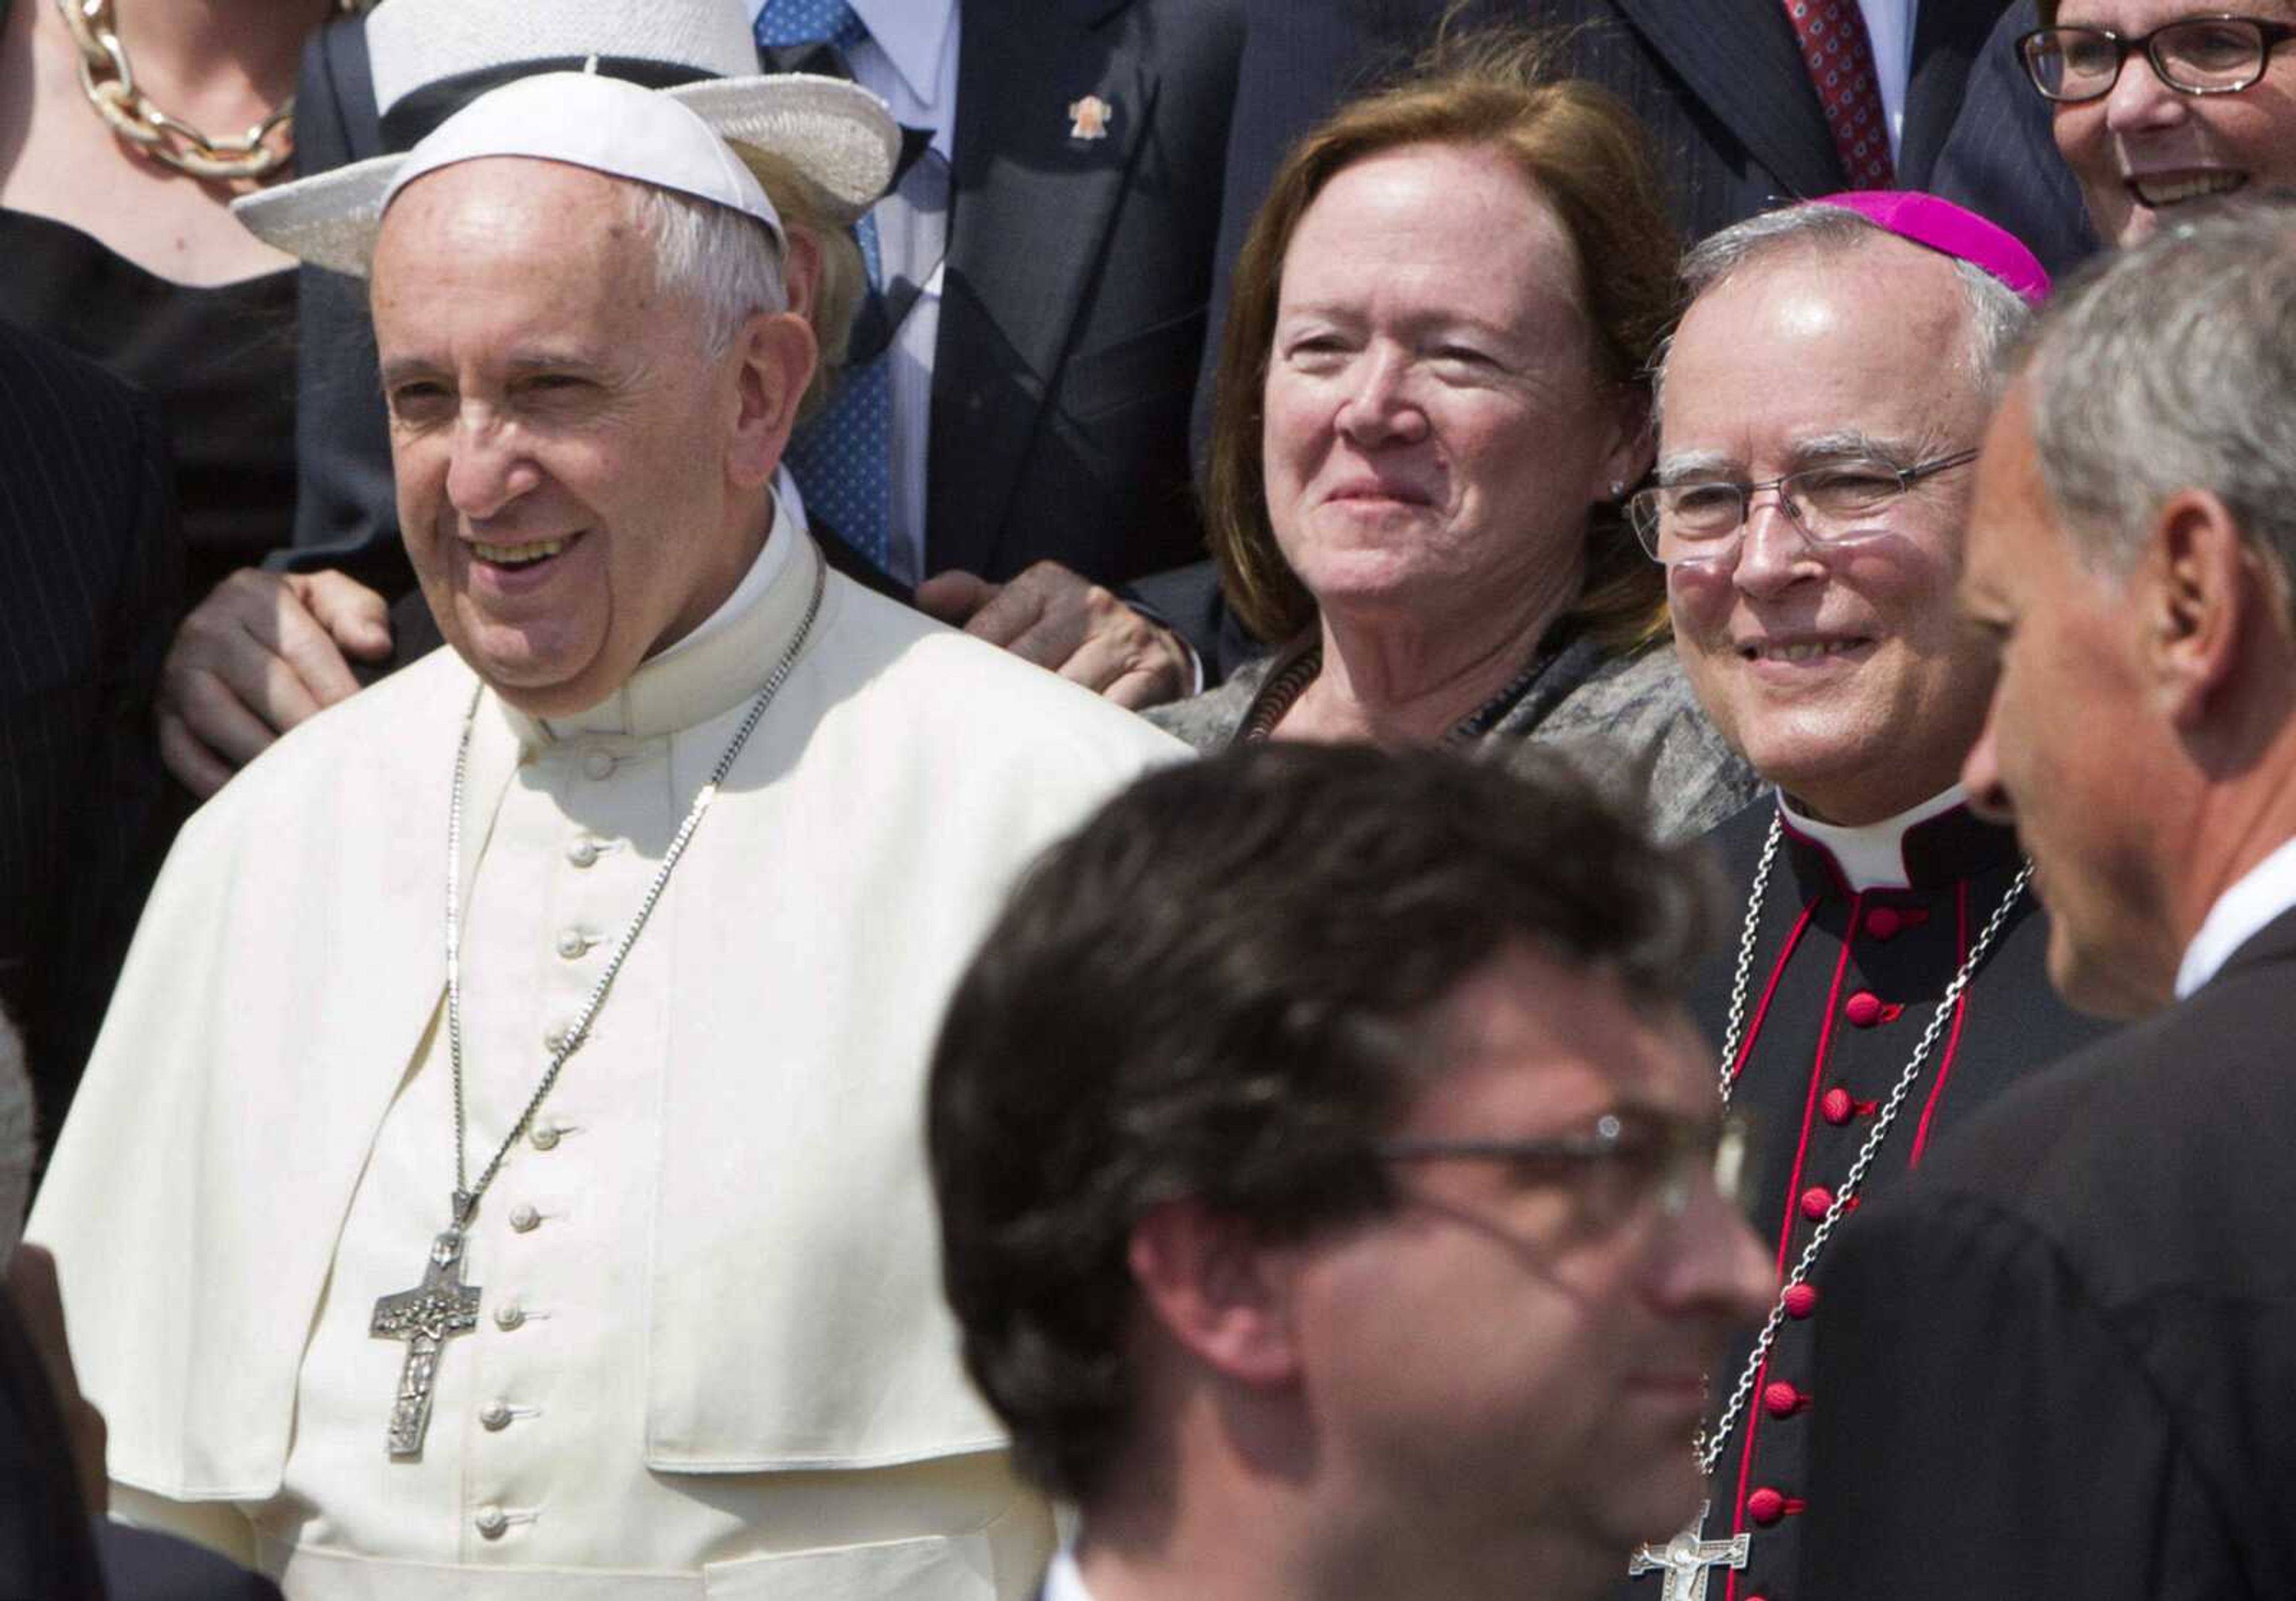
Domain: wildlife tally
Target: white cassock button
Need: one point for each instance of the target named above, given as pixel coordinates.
(509, 1314)
(582, 853)
(598, 765)
(552, 1042)
(524, 1219)
(491, 1521)
(495, 1415)
(545, 1137)
(570, 943)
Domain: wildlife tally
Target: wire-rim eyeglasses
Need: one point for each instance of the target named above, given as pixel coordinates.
(1705, 521)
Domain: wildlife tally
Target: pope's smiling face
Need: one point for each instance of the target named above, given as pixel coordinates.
(577, 481)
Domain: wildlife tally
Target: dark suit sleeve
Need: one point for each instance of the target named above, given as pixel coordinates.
(1984, 1430)
(143, 1564)
(2001, 162)
(46, 1552)
(113, 844)
(90, 570)
(346, 505)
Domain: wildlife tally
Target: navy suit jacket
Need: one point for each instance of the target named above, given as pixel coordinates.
(2062, 1362)
(90, 567)
(2000, 159)
(1072, 319)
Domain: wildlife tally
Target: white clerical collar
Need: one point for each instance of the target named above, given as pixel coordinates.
(1064, 1581)
(1872, 857)
(720, 663)
(2255, 898)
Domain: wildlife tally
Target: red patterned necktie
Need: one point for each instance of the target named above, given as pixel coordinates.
(1841, 59)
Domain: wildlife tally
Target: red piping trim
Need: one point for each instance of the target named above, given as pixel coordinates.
(1777, 972)
(1953, 1040)
(1785, 1232)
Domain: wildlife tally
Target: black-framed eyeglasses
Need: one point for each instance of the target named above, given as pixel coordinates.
(2193, 55)
(1832, 505)
(1628, 1156)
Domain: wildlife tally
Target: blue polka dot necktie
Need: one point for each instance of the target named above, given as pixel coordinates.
(842, 457)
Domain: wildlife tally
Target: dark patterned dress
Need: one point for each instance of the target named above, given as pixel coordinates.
(1628, 720)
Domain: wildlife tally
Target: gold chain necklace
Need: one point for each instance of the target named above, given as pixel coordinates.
(109, 82)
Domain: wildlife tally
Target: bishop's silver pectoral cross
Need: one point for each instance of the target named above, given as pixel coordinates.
(426, 1318)
(1688, 1561)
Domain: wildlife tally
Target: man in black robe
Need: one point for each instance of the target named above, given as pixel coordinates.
(1887, 977)
(2065, 1362)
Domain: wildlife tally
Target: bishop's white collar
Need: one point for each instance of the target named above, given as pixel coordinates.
(719, 664)
(1872, 857)
(2255, 898)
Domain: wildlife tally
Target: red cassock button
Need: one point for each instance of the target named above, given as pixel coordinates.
(1817, 1201)
(1837, 1108)
(1800, 1300)
(1781, 1399)
(1766, 1506)
(1862, 1008)
(1884, 923)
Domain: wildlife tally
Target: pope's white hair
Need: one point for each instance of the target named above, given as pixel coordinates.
(727, 261)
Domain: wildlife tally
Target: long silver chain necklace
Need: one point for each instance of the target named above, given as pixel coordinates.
(1686, 1559)
(442, 1305)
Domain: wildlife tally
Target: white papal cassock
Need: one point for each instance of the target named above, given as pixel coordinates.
(711, 1357)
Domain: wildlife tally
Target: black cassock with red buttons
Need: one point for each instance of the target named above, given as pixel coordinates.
(1842, 983)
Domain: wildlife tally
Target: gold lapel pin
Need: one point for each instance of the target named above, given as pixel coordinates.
(1088, 117)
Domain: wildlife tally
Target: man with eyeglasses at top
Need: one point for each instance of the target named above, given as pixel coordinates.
(1819, 406)
(1331, 1200)
(2157, 103)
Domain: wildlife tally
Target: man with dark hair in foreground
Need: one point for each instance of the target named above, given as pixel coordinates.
(1331, 1198)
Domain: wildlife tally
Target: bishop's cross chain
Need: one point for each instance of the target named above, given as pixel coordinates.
(1688, 1561)
(426, 1318)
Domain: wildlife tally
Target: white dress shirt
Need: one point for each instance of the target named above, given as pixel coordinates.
(2259, 896)
(1890, 28)
(909, 61)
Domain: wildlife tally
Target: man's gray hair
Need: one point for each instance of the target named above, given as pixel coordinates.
(1998, 316)
(726, 261)
(2172, 366)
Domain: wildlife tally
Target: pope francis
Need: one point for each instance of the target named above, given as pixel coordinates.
(500, 1172)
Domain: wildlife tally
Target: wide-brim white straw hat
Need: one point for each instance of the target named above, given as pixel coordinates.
(836, 133)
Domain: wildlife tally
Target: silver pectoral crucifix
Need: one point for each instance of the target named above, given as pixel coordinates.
(426, 1318)
(1687, 1561)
